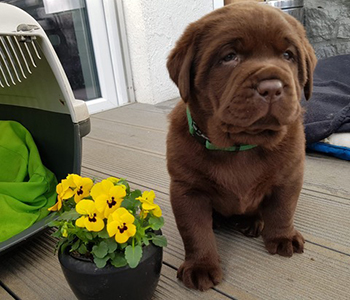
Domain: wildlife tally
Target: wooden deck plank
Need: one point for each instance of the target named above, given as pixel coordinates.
(135, 165)
(4, 295)
(328, 175)
(141, 115)
(150, 140)
(31, 271)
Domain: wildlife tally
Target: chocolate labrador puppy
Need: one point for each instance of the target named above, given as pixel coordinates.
(236, 142)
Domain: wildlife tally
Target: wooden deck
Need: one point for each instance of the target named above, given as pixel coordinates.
(129, 142)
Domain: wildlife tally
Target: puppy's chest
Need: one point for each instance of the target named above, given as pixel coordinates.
(240, 188)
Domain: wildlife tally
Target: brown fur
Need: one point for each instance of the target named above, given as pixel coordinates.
(262, 183)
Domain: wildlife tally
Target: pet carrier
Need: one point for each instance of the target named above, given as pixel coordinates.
(35, 92)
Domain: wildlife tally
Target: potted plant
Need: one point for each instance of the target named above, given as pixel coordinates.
(109, 238)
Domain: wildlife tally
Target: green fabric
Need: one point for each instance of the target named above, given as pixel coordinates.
(27, 188)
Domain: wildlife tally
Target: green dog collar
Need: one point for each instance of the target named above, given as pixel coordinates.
(201, 138)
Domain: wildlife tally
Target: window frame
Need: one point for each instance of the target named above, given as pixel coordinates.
(109, 42)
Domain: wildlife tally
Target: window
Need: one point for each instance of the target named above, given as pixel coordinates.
(86, 37)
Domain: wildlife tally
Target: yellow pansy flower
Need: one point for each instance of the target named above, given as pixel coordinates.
(64, 192)
(91, 219)
(113, 179)
(81, 186)
(58, 204)
(120, 224)
(147, 200)
(108, 197)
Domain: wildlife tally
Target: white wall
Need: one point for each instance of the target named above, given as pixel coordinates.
(153, 26)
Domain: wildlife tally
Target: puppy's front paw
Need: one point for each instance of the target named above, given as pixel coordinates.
(286, 246)
(200, 275)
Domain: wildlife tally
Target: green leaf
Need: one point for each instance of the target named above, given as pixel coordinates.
(123, 181)
(69, 215)
(123, 246)
(101, 262)
(62, 245)
(145, 240)
(57, 233)
(82, 249)
(160, 241)
(103, 234)
(89, 235)
(133, 255)
(130, 204)
(156, 223)
(55, 223)
(112, 245)
(119, 260)
(75, 246)
(135, 194)
(100, 250)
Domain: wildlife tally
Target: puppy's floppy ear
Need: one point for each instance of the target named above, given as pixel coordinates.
(311, 61)
(180, 62)
(308, 59)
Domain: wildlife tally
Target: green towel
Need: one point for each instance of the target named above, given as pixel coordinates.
(27, 188)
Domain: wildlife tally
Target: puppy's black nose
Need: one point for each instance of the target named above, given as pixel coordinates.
(271, 90)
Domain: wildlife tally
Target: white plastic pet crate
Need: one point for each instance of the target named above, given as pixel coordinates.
(35, 92)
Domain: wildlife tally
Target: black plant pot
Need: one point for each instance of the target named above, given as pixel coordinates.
(89, 282)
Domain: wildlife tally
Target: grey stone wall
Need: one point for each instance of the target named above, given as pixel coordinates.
(328, 26)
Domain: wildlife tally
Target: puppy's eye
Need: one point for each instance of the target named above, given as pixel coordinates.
(229, 57)
(288, 55)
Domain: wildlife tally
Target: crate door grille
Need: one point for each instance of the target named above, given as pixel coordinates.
(18, 57)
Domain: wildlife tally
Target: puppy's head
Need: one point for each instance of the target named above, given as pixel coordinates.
(242, 69)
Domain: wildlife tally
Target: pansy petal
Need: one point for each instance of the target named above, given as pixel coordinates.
(128, 218)
(85, 207)
(81, 221)
(121, 238)
(106, 185)
(87, 183)
(75, 178)
(112, 227)
(157, 212)
(101, 188)
(99, 215)
(68, 194)
(57, 206)
(109, 210)
(113, 179)
(59, 188)
(149, 195)
(119, 212)
(71, 180)
(96, 225)
(131, 230)
(125, 235)
(117, 192)
(148, 206)
(101, 202)
(66, 184)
